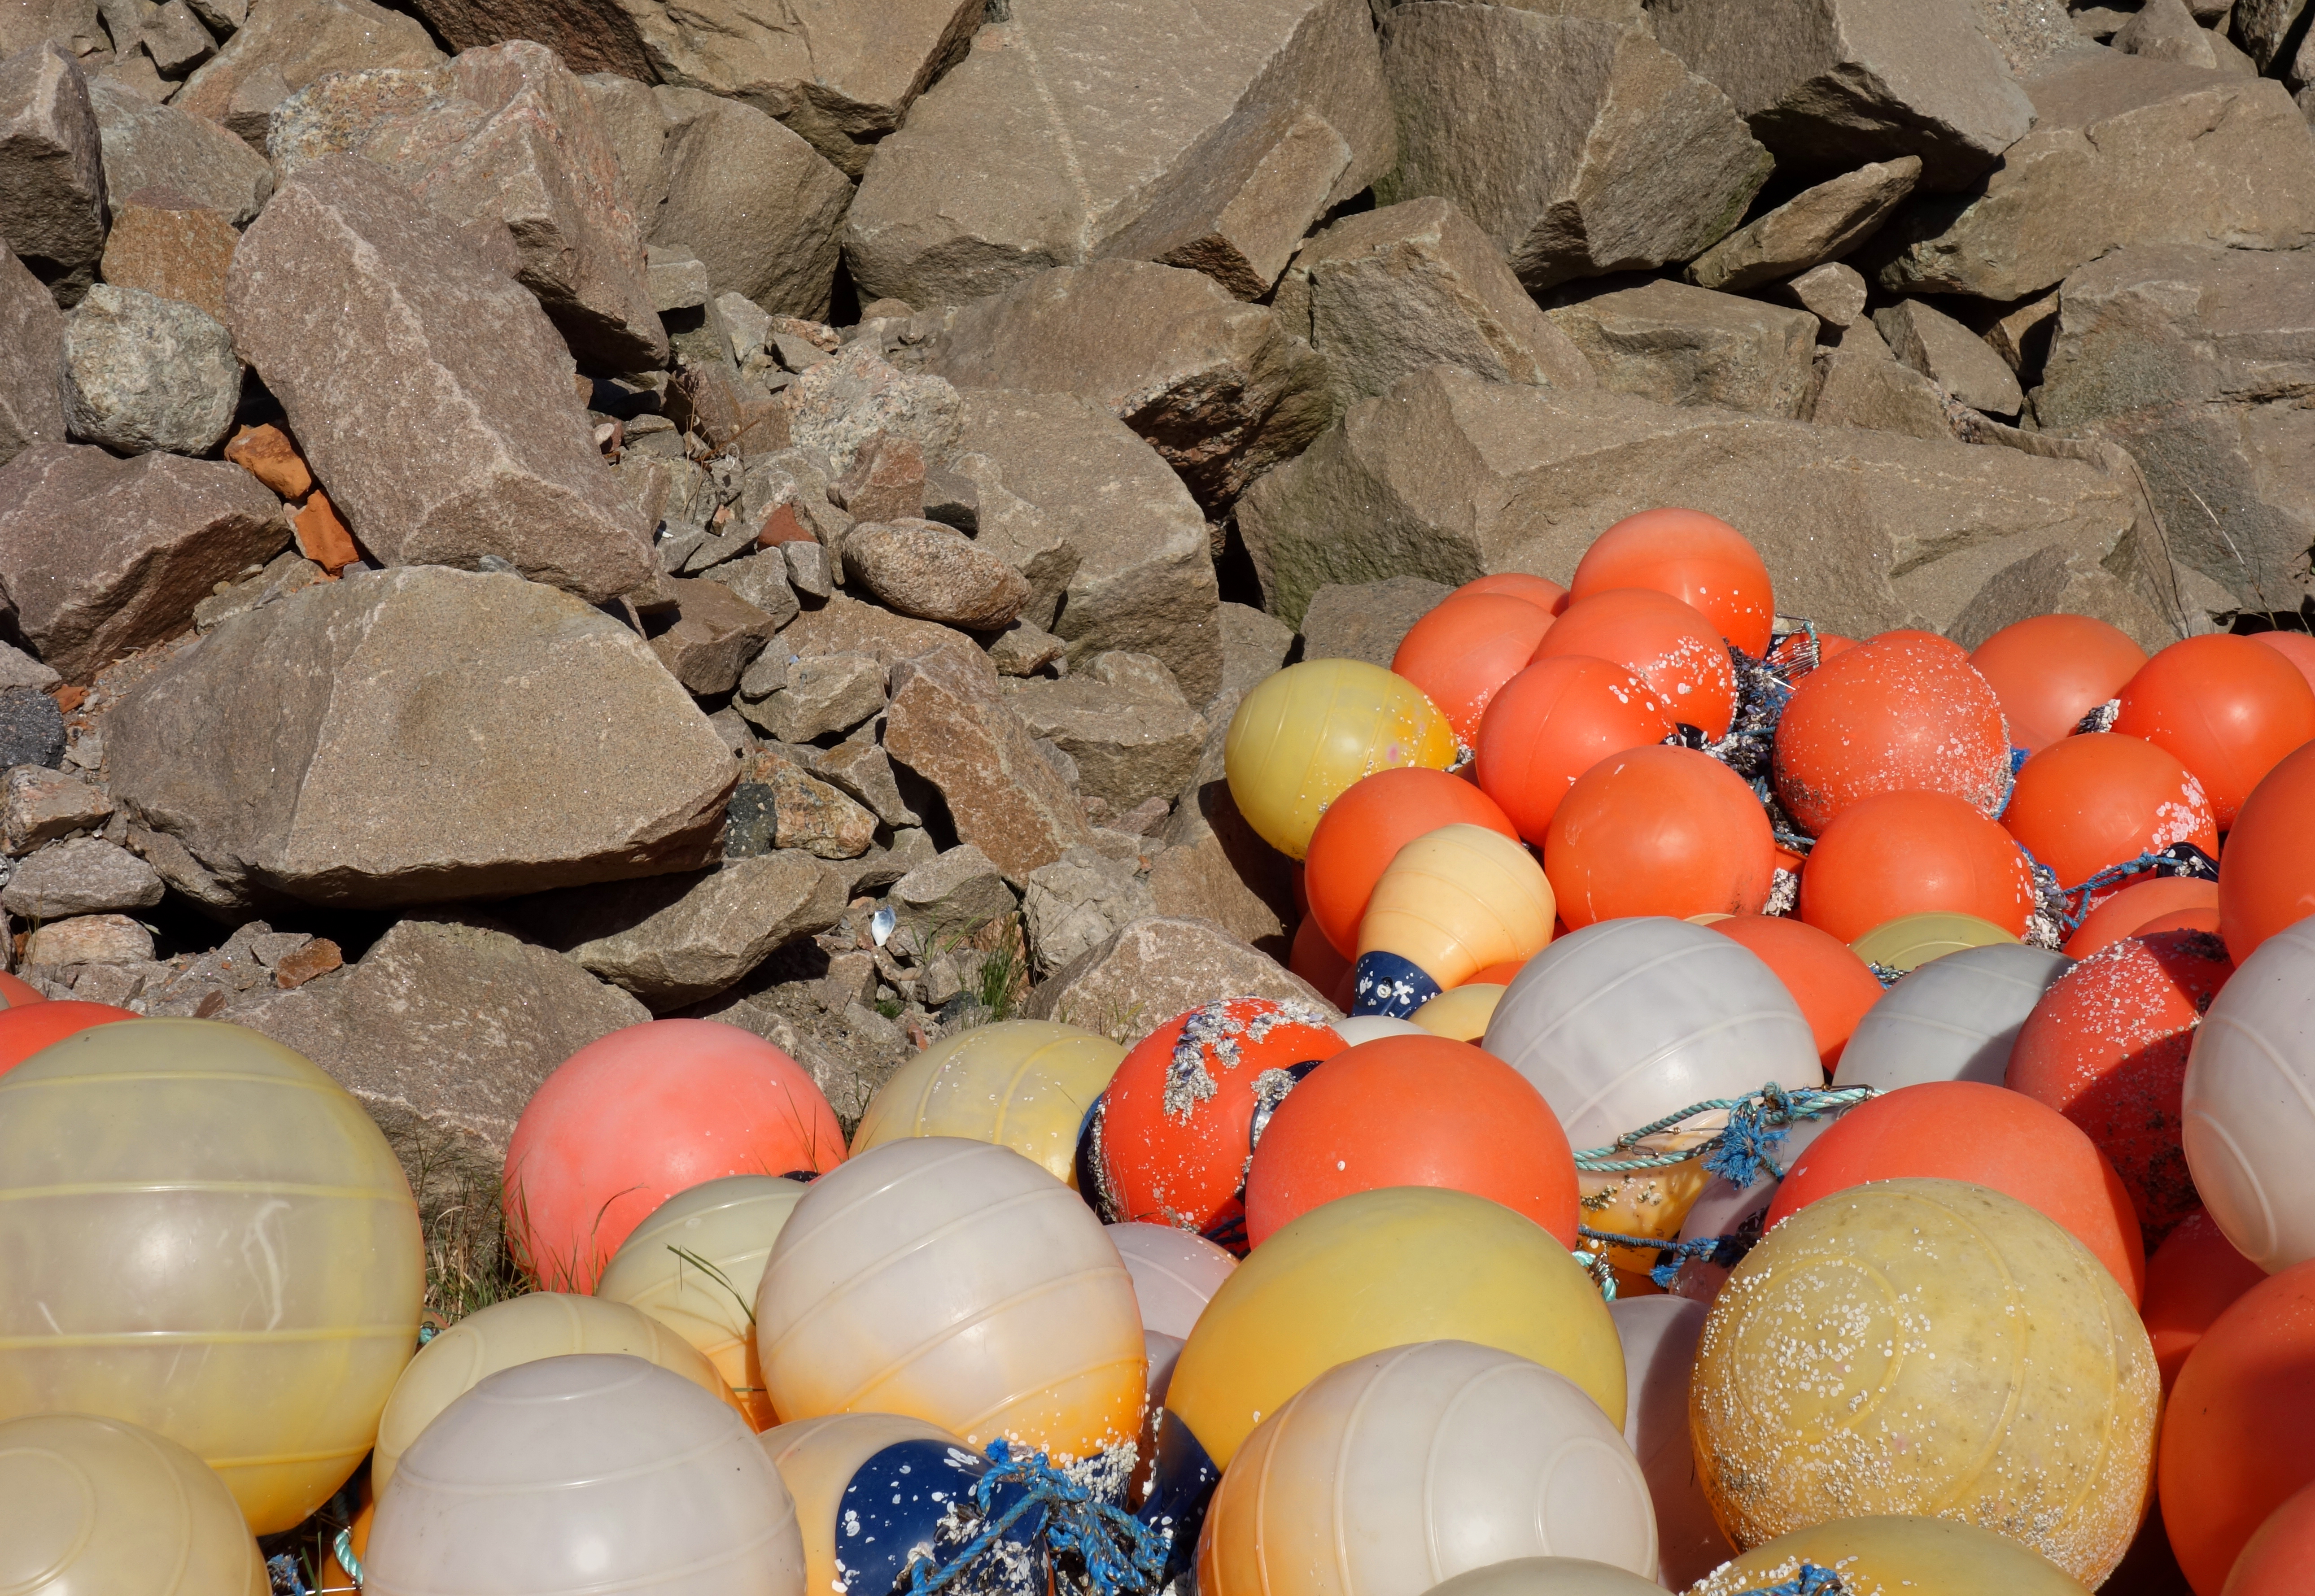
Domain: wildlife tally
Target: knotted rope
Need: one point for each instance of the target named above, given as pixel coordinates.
(1119, 1554)
(1811, 1581)
(1741, 1150)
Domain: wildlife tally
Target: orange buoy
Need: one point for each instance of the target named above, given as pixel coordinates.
(1363, 830)
(2274, 1561)
(2238, 1432)
(1466, 649)
(1659, 831)
(1413, 1111)
(1696, 558)
(1546, 595)
(1792, 655)
(1178, 1123)
(2050, 671)
(1904, 713)
(2267, 877)
(2297, 647)
(1833, 985)
(1914, 853)
(15, 993)
(2227, 707)
(2107, 1047)
(2191, 1278)
(2137, 907)
(1660, 640)
(1314, 959)
(2100, 799)
(1990, 1136)
(1500, 975)
(631, 1119)
(26, 1028)
(1553, 722)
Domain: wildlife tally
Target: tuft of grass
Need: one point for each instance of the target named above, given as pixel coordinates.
(462, 1220)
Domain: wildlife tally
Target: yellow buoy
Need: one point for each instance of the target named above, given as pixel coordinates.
(203, 1234)
(958, 1283)
(1545, 1576)
(1451, 903)
(1021, 1084)
(1394, 1471)
(1461, 1015)
(694, 1264)
(1930, 1348)
(523, 1330)
(1306, 734)
(104, 1508)
(1383, 1269)
(817, 1459)
(1910, 941)
(1898, 1557)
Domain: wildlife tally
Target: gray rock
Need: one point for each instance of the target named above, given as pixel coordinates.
(1025, 649)
(2021, 336)
(1154, 970)
(936, 573)
(33, 329)
(161, 146)
(75, 24)
(950, 726)
(1366, 620)
(1253, 646)
(51, 170)
(2124, 150)
(503, 134)
(32, 728)
(38, 804)
(677, 279)
(844, 625)
(1679, 345)
(632, 120)
(2266, 26)
(1215, 386)
(348, 290)
(419, 736)
(762, 580)
(1950, 355)
(87, 876)
(286, 45)
(90, 939)
(839, 406)
(951, 896)
(1384, 293)
(677, 939)
(880, 867)
(714, 635)
(1144, 581)
(1077, 902)
(758, 206)
(103, 556)
(2196, 359)
(778, 805)
(1215, 868)
(1860, 388)
(444, 1029)
(1035, 544)
(175, 39)
(1865, 530)
(1125, 724)
(20, 669)
(1053, 144)
(1821, 225)
(2166, 30)
(813, 697)
(1580, 146)
(147, 373)
(2031, 33)
(1831, 84)
(1833, 293)
(860, 767)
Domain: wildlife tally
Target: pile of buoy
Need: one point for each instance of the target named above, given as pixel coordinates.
(1815, 1115)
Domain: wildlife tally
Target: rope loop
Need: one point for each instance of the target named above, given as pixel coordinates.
(2071, 906)
(1741, 1150)
(1726, 1251)
(1119, 1554)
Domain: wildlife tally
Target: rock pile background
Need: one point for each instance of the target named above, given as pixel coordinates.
(514, 519)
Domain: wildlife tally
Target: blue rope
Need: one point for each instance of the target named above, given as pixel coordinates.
(1742, 1151)
(1811, 1581)
(1120, 1553)
(1726, 1251)
(2070, 906)
(344, 1546)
